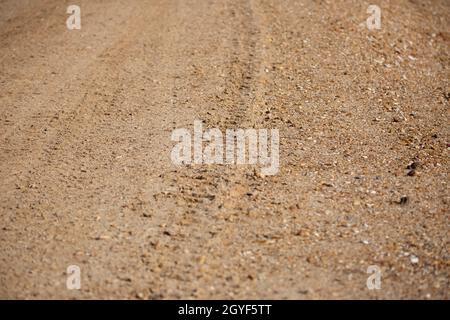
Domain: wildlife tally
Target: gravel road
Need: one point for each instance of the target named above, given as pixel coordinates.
(86, 176)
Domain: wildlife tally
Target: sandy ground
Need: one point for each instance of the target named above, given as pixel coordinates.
(86, 177)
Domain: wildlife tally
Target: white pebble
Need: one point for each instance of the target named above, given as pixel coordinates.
(414, 259)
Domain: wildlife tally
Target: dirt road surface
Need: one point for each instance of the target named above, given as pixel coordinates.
(86, 176)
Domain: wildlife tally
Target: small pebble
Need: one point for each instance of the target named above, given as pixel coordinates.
(414, 259)
(403, 200)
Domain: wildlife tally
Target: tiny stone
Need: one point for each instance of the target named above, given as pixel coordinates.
(403, 200)
(411, 173)
(413, 165)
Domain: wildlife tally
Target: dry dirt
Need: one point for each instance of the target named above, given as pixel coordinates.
(86, 177)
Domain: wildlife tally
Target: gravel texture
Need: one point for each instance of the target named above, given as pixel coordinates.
(86, 177)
